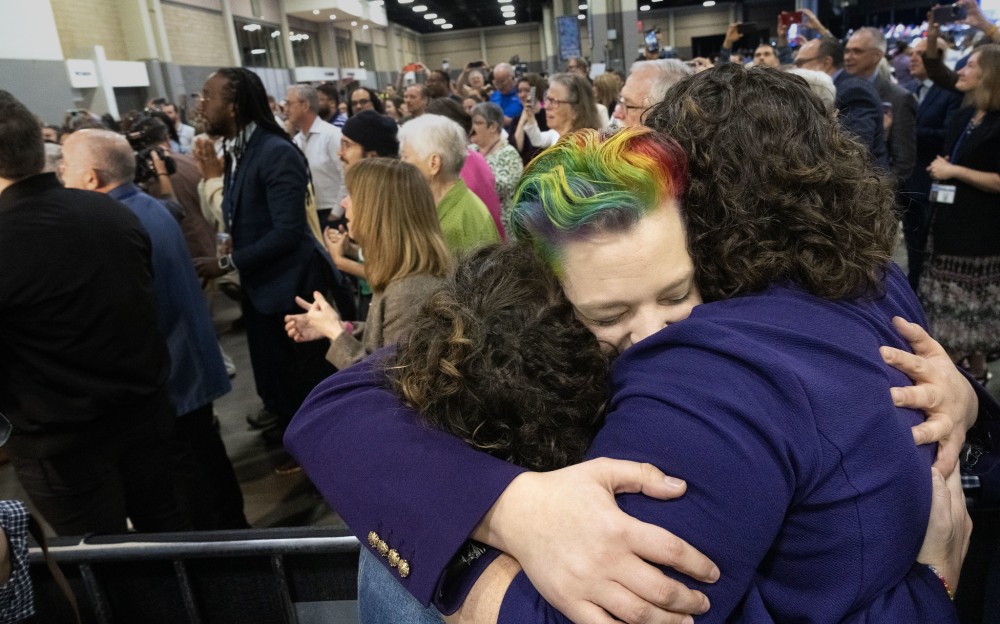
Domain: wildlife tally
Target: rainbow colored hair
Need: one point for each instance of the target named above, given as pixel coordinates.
(592, 181)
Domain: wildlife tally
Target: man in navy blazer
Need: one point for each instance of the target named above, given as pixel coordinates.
(278, 258)
(935, 109)
(857, 100)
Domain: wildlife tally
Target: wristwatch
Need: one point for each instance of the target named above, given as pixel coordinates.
(226, 262)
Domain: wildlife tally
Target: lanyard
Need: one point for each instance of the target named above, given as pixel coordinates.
(958, 142)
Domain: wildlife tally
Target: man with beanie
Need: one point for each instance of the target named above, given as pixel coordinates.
(366, 135)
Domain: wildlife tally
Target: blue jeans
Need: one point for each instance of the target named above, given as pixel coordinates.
(381, 599)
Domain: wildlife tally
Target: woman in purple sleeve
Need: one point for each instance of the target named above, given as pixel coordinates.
(748, 307)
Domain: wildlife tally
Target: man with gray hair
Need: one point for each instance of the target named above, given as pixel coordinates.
(646, 85)
(436, 146)
(102, 161)
(320, 142)
(864, 52)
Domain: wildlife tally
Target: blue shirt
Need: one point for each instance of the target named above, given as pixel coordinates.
(510, 103)
(197, 374)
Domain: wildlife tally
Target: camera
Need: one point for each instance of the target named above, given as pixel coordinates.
(146, 131)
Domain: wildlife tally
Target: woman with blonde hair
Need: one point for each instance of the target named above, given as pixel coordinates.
(607, 86)
(390, 213)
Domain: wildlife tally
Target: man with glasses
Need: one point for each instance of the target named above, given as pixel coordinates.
(857, 102)
(320, 142)
(646, 85)
(864, 52)
(505, 93)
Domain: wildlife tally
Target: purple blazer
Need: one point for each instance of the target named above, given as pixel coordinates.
(804, 485)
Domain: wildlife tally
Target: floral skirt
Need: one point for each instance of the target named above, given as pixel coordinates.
(961, 296)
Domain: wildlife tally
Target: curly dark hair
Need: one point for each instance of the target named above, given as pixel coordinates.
(497, 358)
(777, 190)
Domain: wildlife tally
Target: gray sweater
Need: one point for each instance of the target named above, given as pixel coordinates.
(389, 318)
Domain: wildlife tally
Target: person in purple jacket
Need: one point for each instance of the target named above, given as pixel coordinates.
(748, 310)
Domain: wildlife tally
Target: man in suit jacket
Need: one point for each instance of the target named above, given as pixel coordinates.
(278, 259)
(864, 52)
(935, 108)
(857, 101)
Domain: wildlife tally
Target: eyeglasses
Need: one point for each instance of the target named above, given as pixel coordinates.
(551, 102)
(627, 106)
(801, 62)
(360, 102)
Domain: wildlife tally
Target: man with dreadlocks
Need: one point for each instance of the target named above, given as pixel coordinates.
(264, 210)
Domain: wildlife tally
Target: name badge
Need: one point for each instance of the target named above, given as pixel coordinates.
(943, 193)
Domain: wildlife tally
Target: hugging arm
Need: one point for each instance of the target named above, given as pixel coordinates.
(951, 400)
(424, 492)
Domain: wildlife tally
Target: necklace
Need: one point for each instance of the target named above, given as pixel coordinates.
(492, 147)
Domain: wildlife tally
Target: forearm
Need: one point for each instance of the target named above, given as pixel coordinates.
(482, 604)
(349, 266)
(345, 350)
(423, 490)
(982, 180)
(938, 72)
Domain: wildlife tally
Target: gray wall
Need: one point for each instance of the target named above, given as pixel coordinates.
(42, 86)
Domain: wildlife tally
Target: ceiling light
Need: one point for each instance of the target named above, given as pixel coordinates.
(276, 33)
(582, 7)
(365, 26)
(430, 15)
(581, 16)
(510, 22)
(251, 27)
(353, 23)
(258, 51)
(440, 21)
(315, 11)
(504, 1)
(708, 3)
(644, 7)
(446, 26)
(508, 13)
(332, 16)
(420, 8)
(405, 1)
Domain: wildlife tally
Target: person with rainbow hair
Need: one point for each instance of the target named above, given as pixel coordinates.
(770, 274)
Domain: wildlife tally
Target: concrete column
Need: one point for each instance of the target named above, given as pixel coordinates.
(548, 40)
(631, 38)
(285, 41)
(234, 46)
(104, 95)
(597, 29)
(392, 39)
(137, 25)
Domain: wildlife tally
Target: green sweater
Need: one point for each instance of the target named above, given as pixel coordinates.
(465, 221)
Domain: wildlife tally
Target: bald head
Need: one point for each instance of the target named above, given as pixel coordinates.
(917, 69)
(97, 160)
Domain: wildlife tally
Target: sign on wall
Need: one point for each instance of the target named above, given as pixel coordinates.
(569, 37)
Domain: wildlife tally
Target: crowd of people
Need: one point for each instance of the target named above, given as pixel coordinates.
(567, 265)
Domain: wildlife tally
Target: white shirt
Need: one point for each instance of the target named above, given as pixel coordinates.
(185, 138)
(321, 145)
